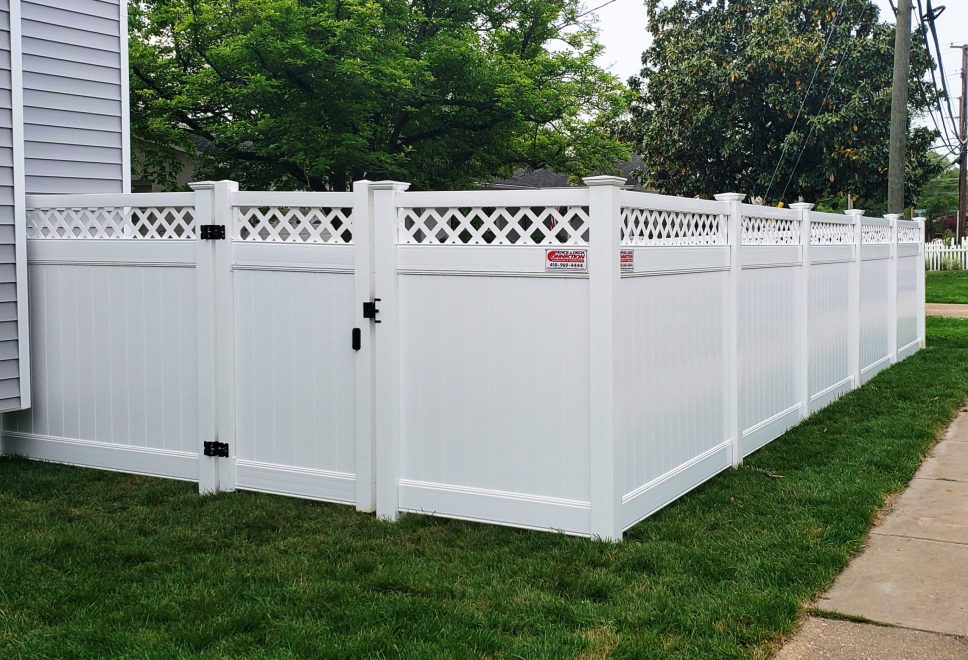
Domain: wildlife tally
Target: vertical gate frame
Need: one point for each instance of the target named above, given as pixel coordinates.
(215, 299)
(364, 290)
(387, 353)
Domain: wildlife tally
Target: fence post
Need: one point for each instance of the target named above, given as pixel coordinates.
(216, 335)
(387, 349)
(734, 238)
(803, 325)
(853, 297)
(922, 330)
(363, 290)
(892, 289)
(604, 278)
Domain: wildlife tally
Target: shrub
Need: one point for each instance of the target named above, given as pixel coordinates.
(950, 263)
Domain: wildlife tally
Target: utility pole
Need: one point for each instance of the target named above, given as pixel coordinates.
(899, 103)
(963, 157)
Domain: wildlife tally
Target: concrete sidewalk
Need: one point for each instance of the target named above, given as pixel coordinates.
(913, 574)
(946, 310)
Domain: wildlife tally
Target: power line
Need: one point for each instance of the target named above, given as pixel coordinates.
(944, 82)
(586, 13)
(803, 102)
(948, 149)
(924, 18)
(813, 126)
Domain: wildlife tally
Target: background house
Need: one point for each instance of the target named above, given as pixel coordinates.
(545, 178)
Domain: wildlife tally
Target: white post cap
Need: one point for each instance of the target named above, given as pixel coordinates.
(604, 180)
(399, 186)
(209, 185)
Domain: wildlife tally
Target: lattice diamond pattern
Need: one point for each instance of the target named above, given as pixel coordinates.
(652, 227)
(875, 234)
(499, 225)
(282, 224)
(166, 222)
(907, 234)
(831, 233)
(770, 231)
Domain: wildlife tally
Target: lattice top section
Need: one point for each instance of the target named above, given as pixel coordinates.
(875, 234)
(770, 231)
(908, 234)
(652, 227)
(163, 222)
(831, 233)
(496, 225)
(289, 224)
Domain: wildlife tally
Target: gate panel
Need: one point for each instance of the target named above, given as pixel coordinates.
(295, 369)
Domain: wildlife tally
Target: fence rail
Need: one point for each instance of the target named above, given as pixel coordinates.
(567, 359)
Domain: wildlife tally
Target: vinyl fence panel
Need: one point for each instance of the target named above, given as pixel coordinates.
(768, 321)
(493, 361)
(672, 354)
(568, 360)
(875, 298)
(910, 277)
(114, 321)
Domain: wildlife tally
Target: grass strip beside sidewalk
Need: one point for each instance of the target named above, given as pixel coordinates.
(98, 563)
(947, 286)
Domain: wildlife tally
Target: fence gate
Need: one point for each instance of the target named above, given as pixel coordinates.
(206, 336)
(292, 359)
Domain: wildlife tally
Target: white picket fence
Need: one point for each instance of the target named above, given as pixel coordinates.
(567, 359)
(943, 257)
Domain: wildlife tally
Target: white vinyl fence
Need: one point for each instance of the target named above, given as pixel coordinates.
(946, 257)
(567, 359)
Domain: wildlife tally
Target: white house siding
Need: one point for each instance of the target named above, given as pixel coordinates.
(63, 129)
(9, 343)
(74, 73)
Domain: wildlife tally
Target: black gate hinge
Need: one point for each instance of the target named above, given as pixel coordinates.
(217, 449)
(213, 232)
(370, 310)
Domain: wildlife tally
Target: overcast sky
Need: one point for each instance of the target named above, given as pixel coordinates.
(625, 35)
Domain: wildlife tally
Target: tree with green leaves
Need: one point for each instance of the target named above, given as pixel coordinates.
(781, 99)
(939, 196)
(314, 94)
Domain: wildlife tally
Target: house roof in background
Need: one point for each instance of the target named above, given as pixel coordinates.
(547, 178)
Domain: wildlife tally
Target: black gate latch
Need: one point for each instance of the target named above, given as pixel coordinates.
(370, 311)
(213, 232)
(217, 449)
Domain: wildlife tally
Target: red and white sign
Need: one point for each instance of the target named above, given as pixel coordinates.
(570, 261)
(627, 259)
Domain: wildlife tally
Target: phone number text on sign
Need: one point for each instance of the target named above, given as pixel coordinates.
(627, 260)
(571, 261)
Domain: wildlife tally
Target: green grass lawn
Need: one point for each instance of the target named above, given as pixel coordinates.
(947, 286)
(101, 564)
